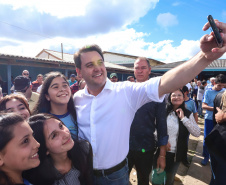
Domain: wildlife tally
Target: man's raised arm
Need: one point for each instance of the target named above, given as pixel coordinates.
(182, 74)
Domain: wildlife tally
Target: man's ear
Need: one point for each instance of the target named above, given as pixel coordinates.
(79, 72)
(149, 70)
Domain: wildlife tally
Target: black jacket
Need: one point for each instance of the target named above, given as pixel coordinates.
(182, 140)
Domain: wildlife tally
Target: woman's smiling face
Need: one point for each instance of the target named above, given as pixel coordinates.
(59, 91)
(14, 105)
(177, 98)
(21, 153)
(57, 136)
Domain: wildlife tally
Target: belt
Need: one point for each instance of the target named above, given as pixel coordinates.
(110, 170)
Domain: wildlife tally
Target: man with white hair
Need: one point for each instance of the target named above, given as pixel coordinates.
(211, 84)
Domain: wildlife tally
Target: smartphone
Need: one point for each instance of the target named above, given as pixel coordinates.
(216, 32)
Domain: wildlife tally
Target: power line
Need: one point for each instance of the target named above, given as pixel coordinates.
(35, 33)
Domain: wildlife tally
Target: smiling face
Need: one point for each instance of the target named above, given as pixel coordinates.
(59, 92)
(16, 106)
(141, 70)
(21, 151)
(177, 98)
(57, 136)
(93, 70)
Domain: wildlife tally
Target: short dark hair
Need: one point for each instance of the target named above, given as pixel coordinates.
(129, 77)
(204, 82)
(220, 79)
(39, 75)
(185, 89)
(85, 49)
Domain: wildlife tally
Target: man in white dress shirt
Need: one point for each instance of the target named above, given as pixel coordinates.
(105, 110)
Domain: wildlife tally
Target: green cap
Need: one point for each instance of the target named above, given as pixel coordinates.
(113, 74)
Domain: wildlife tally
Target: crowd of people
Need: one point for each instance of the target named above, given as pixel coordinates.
(91, 130)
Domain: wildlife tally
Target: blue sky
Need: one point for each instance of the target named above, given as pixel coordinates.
(167, 30)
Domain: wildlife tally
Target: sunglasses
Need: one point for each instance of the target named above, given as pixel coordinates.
(25, 73)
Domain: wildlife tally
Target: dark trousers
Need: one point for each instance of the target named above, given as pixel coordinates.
(208, 127)
(143, 163)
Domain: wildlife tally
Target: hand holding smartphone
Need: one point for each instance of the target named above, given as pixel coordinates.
(216, 32)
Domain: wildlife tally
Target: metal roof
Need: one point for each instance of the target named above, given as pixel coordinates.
(69, 61)
(216, 65)
(70, 58)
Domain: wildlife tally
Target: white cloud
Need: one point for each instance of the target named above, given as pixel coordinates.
(77, 19)
(177, 3)
(68, 8)
(167, 20)
(59, 9)
(126, 41)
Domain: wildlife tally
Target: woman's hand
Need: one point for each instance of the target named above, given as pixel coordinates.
(180, 113)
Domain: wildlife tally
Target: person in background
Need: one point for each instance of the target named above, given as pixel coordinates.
(130, 78)
(211, 84)
(200, 94)
(22, 85)
(18, 149)
(216, 141)
(38, 82)
(191, 106)
(180, 122)
(208, 105)
(56, 99)
(149, 118)
(75, 87)
(16, 103)
(190, 103)
(25, 73)
(63, 160)
(72, 80)
(114, 77)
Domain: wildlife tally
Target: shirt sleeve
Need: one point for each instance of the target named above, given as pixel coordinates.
(153, 89)
(191, 125)
(205, 98)
(138, 94)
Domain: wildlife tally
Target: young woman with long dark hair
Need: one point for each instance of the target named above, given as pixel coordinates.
(180, 122)
(55, 98)
(18, 149)
(64, 160)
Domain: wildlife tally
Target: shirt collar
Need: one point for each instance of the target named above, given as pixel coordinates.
(108, 85)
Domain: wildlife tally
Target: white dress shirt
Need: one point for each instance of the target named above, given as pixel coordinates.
(104, 120)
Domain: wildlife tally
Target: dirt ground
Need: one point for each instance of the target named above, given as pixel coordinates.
(182, 172)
